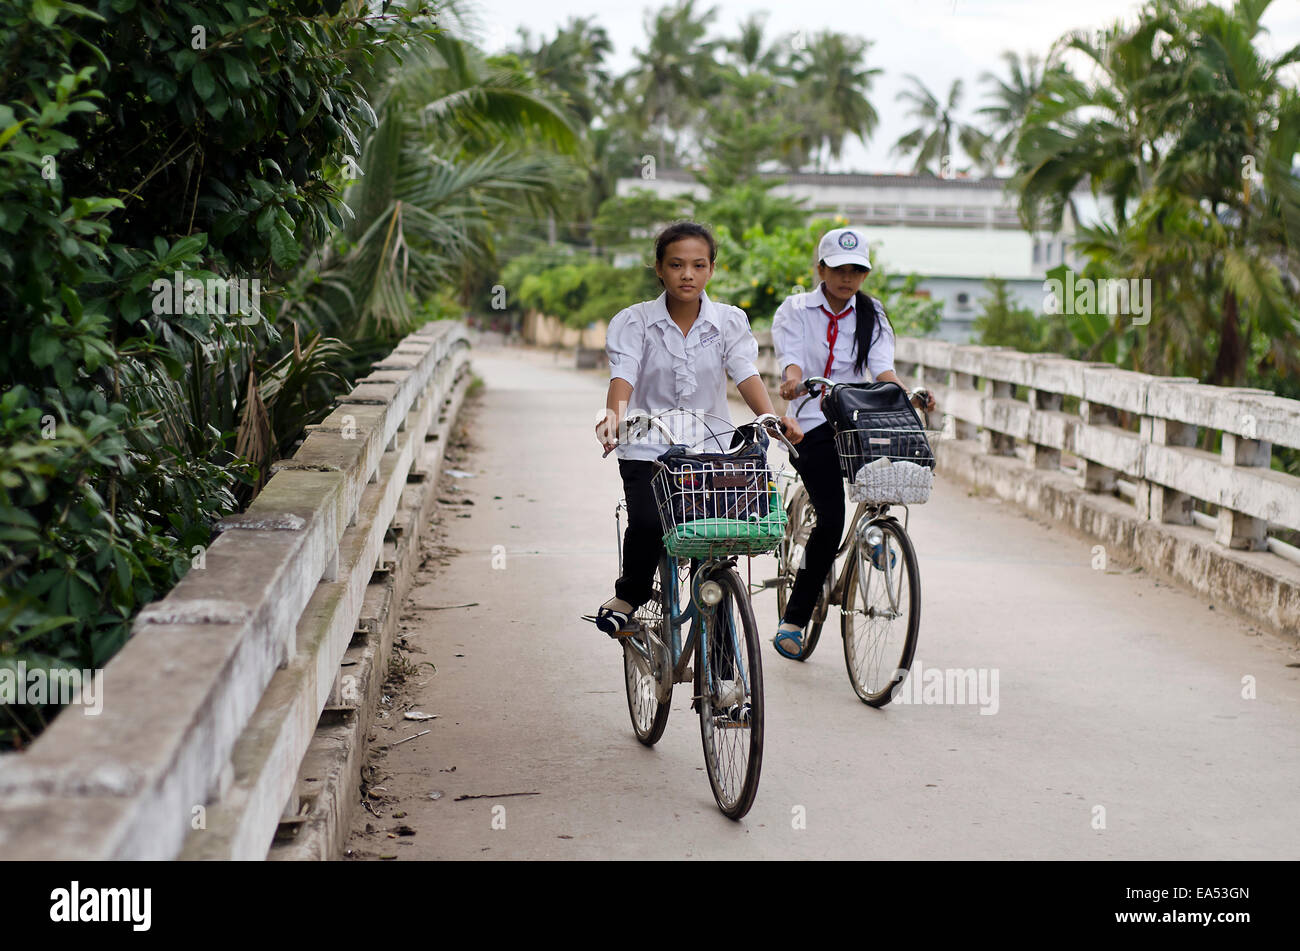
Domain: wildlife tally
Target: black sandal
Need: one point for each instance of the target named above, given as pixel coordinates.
(614, 623)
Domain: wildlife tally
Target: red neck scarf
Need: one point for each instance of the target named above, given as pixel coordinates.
(832, 333)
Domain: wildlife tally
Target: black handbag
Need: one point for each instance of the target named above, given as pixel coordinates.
(853, 407)
(714, 484)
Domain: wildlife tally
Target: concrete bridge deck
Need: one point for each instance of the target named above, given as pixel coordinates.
(1133, 718)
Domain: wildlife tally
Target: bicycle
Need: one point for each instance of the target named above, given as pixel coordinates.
(697, 582)
(877, 652)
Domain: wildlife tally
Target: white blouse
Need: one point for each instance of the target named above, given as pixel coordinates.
(668, 370)
(799, 336)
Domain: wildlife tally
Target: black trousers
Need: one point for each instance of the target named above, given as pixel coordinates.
(819, 467)
(643, 543)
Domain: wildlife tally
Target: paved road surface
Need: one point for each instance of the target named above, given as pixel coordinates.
(1119, 700)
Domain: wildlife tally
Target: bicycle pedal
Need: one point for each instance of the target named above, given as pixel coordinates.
(686, 677)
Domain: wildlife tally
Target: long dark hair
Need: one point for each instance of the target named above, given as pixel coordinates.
(870, 324)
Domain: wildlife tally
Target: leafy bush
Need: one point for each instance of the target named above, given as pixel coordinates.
(1003, 323)
(757, 272)
(142, 139)
(582, 291)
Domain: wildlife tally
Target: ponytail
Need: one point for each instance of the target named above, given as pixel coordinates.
(870, 324)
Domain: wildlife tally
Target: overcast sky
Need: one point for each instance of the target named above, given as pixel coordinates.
(938, 40)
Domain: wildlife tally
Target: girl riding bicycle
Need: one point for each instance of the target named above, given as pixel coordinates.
(839, 333)
(675, 351)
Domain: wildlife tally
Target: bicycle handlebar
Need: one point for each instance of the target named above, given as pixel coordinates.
(808, 383)
(639, 423)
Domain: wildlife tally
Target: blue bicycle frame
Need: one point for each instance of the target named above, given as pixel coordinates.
(678, 652)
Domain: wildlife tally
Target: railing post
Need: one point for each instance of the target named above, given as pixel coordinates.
(964, 429)
(1096, 477)
(1237, 530)
(997, 444)
(1157, 502)
(1044, 457)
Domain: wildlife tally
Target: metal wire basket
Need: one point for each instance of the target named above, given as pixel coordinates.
(888, 466)
(710, 508)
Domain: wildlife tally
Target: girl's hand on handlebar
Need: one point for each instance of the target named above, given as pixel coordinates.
(607, 431)
(792, 429)
(790, 389)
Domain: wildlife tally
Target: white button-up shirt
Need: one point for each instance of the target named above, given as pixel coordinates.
(799, 337)
(668, 370)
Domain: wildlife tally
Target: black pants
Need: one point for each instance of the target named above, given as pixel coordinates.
(819, 466)
(643, 543)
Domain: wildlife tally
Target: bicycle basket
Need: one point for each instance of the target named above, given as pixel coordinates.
(888, 466)
(718, 504)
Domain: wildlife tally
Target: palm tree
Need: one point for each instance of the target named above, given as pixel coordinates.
(831, 70)
(1184, 103)
(675, 71)
(1011, 98)
(457, 150)
(750, 53)
(932, 141)
(573, 64)
(1105, 131)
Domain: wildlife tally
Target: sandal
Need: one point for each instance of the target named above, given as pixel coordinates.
(614, 623)
(794, 636)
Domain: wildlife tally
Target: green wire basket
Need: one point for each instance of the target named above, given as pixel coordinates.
(710, 509)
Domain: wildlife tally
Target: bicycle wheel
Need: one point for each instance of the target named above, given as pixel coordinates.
(881, 615)
(729, 692)
(801, 517)
(641, 675)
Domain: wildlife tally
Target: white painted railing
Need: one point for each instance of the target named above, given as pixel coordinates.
(244, 653)
(1154, 462)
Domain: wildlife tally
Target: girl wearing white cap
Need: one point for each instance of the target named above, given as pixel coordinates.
(839, 333)
(675, 351)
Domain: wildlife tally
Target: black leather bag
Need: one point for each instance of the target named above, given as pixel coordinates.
(852, 407)
(714, 484)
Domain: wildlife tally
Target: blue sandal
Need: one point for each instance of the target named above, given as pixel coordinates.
(796, 637)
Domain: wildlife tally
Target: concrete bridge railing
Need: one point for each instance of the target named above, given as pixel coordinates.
(211, 705)
(1132, 436)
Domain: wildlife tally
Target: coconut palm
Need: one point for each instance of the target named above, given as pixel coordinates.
(1011, 98)
(1183, 104)
(749, 52)
(573, 64)
(457, 151)
(830, 68)
(932, 141)
(674, 72)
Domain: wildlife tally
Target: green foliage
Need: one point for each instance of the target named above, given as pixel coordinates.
(758, 272)
(1188, 126)
(1003, 323)
(140, 141)
(633, 219)
(748, 204)
(586, 290)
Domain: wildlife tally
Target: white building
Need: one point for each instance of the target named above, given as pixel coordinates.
(953, 233)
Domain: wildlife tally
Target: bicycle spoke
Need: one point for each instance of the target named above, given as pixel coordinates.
(880, 621)
(640, 660)
(731, 703)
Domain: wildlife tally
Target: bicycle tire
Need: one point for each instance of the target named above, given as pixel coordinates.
(649, 716)
(733, 745)
(799, 509)
(862, 659)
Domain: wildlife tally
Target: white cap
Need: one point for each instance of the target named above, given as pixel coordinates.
(844, 246)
